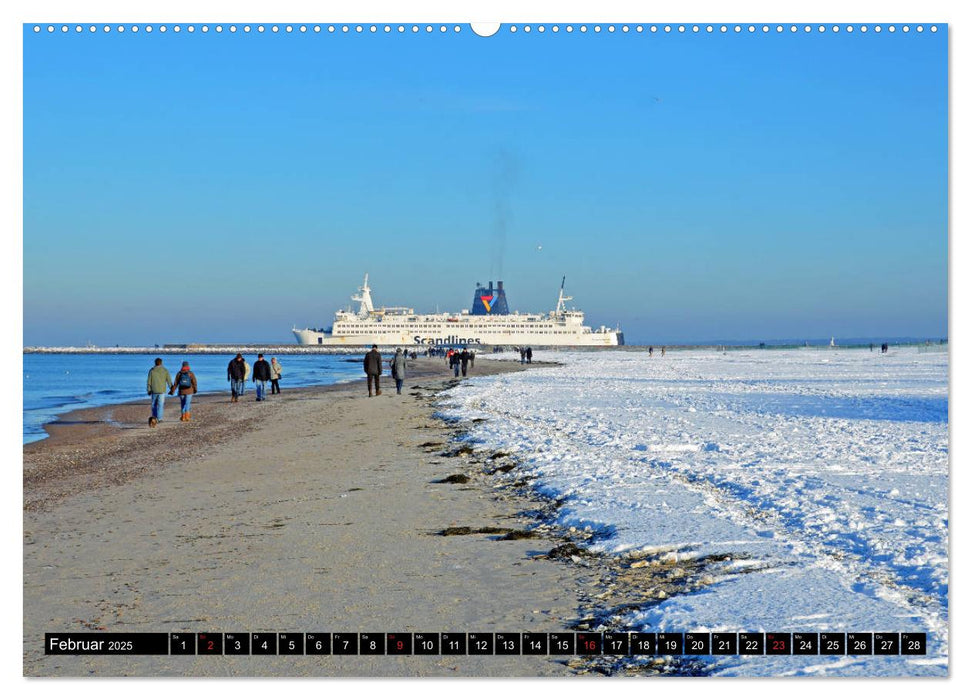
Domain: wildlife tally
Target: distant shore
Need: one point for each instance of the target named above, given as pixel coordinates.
(295, 349)
(316, 510)
(206, 349)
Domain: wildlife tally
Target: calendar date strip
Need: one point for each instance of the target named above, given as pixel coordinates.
(487, 643)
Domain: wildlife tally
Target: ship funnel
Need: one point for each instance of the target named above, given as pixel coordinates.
(490, 301)
(499, 306)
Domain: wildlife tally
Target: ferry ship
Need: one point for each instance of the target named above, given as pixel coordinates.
(489, 323)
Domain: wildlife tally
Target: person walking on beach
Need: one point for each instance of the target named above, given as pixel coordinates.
(372, 368)
(159, 381)
(471, 359)
(650, 351)
(236, 374)
(261, 375)
(663, 350)
(529, 356)
(522, 356)
(455, 362)
(464, 359)
(185, 382)
(276, 371)
(246, 373)
(398, 366)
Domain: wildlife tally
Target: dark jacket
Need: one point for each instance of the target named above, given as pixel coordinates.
(261, 371)
(372, 362)
(236, 370)
(183, 390)
(465, 358)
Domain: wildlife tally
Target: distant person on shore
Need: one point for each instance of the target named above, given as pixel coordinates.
(884, 348)
(471, 359)
(261, 375)
(663, 350)
(236, 374)
(522, 356)
(185, 382)
(372, 368)
(246, 373)
(276, 371)
(455, 362)
(650, 351)
(398, 366)
(464, 359)
(529, 356)
(159, 381)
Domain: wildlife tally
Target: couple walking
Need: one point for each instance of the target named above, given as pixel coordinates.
(159, 380)
(461, 359)
(372, 368)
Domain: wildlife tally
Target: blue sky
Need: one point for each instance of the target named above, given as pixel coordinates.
(224, 187)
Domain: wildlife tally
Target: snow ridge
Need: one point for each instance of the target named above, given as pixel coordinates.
(827, 468)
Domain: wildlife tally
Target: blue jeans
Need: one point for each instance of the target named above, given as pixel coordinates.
(260, 389)
(186, 400)
(398, 383)
(238, 386)
(158, 406)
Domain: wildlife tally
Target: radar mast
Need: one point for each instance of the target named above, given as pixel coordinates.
(365, 298)
(561, 302)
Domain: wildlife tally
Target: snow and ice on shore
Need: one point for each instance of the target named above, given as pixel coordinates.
(818, 479)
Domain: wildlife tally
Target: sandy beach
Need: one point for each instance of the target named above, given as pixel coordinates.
(317, 510)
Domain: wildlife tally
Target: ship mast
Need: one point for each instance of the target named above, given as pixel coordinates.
(561, 302)
(365, 298)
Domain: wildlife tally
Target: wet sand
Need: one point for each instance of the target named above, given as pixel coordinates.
(316, 510)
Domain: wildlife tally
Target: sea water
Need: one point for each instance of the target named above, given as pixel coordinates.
(57, 383)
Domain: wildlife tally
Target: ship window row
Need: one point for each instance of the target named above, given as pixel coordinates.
(450, 328)
(495, 326)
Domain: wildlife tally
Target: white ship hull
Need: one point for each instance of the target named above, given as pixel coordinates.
(400, 326)
(457, 334)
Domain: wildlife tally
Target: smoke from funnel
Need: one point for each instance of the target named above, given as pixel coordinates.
(504, 180)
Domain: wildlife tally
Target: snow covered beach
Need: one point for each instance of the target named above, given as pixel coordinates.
(813, 482)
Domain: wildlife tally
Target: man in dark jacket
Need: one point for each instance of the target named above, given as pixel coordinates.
(236, 374)
(372, 368)
(464, 358)
(261, 375)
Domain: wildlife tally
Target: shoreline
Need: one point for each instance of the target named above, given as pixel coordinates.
(320, 509)
(81, 436)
